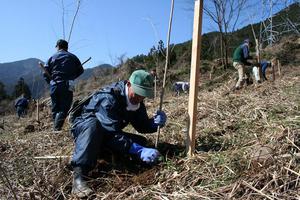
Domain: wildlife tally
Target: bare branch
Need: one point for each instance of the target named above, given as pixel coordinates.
(78, 6)
(63, 18)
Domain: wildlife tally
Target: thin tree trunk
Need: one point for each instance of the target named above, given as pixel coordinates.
(225, 52)
(221, 49)
(78, 6)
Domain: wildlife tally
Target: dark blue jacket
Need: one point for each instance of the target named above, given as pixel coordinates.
(63, 66)
(109, 106)
(22, 102)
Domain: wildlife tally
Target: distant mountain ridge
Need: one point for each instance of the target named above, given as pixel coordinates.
(11, 72)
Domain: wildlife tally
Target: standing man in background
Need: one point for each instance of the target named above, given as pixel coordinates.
(21, 105)
(240, 56)
(63, 67)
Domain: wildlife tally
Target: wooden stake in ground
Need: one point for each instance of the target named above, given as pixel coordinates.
(166, 68)
(258, 58)
(257, 53)
(273, 71)
(279, 67)
(194, 77)
(37, 111)
(155, 83)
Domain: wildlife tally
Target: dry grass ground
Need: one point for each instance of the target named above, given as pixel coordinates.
(247, 147)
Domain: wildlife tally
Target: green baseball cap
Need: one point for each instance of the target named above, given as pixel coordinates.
(142, 83)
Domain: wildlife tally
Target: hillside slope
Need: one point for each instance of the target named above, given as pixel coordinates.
(28, 69)
(247, 147)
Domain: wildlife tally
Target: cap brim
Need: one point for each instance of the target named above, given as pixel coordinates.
(144, 92)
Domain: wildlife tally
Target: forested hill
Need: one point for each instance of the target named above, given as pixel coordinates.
(180, 56)
(210, 45)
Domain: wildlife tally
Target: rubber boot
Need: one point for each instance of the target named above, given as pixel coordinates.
(59, 121)
(80, 188)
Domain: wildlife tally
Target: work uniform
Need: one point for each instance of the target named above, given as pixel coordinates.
(63, 67)
(181, 87)
(264, 65)
(240, 56)
(21, 106)
(101, 122)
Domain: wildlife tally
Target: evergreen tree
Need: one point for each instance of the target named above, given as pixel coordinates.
(161, 50)
(3, 94)
(22, 88)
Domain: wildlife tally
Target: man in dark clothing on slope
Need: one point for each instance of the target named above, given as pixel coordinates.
(63, 67)
(100, 123)
(21, 106)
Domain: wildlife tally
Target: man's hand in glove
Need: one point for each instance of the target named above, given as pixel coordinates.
(160, 118)
(148, 155)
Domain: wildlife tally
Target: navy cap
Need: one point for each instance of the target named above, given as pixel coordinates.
(62, 44)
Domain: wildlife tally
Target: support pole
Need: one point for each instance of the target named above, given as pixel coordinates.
(273, 72)
(194, 77)
(258, 58)
(37, 111)
(279, 67)
(166, 68)
(155, 85)
(257, 49)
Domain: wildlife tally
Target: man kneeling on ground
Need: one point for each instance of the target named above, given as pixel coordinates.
(100, 124)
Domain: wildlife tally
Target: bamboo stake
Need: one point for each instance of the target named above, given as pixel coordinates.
(194, 76)
(279, 67)
(155, 85)
(73, 21)
(51, 157)
(166, 67)
(37, 111)
(258, 58)
(273, 72)
(257, 49)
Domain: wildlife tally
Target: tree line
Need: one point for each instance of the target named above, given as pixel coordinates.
(20, 88)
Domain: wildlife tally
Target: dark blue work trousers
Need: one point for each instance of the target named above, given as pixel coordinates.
(91, 139)
(61, 99)
(21, 111)
(264, 69)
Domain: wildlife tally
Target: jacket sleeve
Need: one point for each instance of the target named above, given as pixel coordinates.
(48, 69)
(16, 102)
(107, 113)
(79, 68)
(246, 52)
(141, 122)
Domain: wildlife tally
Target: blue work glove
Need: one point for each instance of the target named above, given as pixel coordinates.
(148, 155)
(160, 118)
